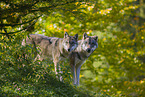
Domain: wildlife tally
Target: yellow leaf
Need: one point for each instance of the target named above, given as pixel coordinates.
(141, 81)
(118, 92)
(119, 45)
(130, 24)
(142, 37)
(125, 82)
(81, 75)
(104, 39)
(51, 25)
(121, 61)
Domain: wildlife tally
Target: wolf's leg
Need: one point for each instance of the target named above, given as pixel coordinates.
(55, 61)
(73, 69)
(58, 68)
(78, 74)
(55, 67)
(60, 73)
(73, 74)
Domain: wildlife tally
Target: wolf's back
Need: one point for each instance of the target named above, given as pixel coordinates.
(36, 39)
(46, 44)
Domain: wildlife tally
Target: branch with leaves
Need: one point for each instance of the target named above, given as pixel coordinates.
(24, 29)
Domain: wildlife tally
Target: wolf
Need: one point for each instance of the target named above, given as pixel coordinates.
(53, 48)
(77, 58)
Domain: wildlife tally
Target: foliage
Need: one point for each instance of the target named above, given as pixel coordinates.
(116, 68)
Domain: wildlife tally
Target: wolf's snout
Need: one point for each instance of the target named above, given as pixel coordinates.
(88, 50)
(69, 49)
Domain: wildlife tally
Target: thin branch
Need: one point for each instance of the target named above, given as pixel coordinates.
(52, 6)
(19, 23)
(24, 29)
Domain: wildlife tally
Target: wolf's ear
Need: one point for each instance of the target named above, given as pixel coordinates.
(66, 35)
(95, 38)
(85, 36)
(76, 36)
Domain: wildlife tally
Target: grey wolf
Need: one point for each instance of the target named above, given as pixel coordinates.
(52, 48)
(77, 58)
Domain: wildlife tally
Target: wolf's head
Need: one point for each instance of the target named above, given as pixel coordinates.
(89, 43)
(70, 42)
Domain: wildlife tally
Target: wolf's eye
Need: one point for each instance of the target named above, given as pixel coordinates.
(93, 43)
(67, 42)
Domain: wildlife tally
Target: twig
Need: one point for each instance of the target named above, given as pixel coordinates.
(17, 23)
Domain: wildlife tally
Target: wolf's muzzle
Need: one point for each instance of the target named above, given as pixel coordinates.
(69, 49)
(88, 50)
